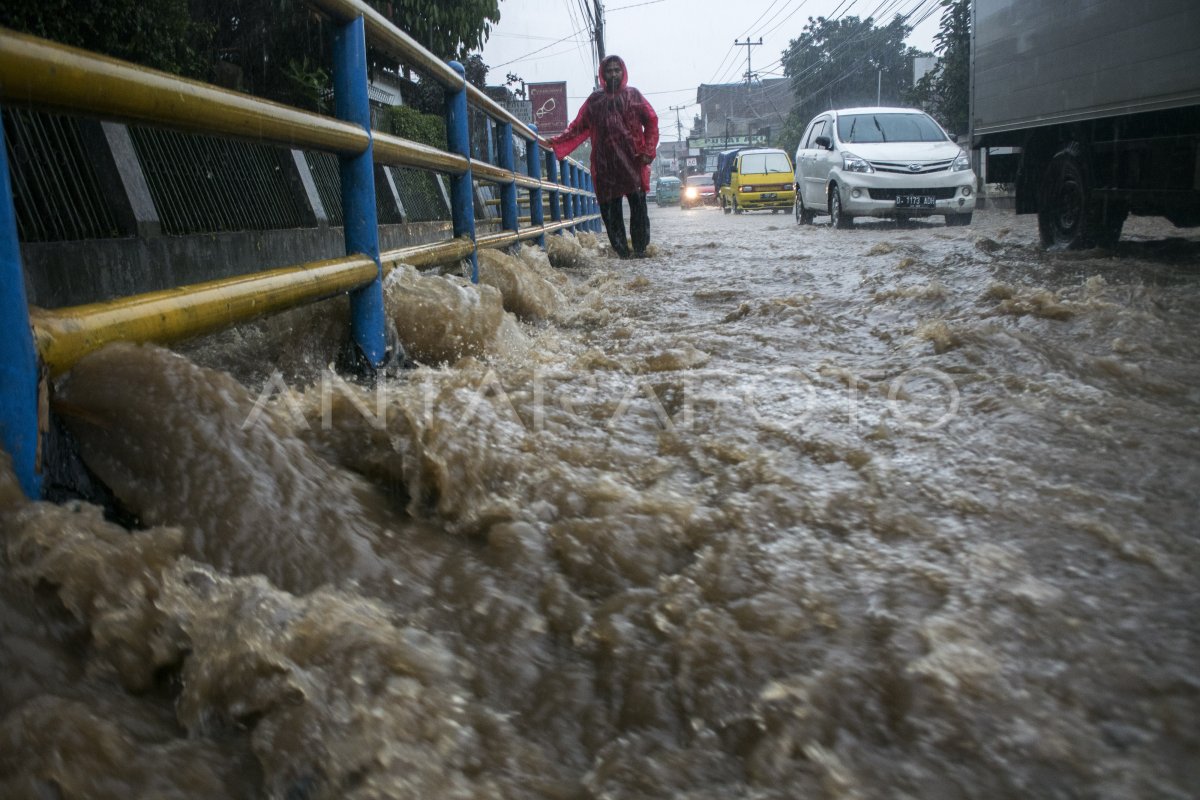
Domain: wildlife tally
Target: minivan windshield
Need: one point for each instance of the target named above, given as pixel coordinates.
(868, 128)
(700, 180)
(762, 163)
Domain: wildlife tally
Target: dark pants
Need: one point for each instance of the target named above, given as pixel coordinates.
(639, 224)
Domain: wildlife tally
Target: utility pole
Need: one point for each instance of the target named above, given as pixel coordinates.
(749, 77)
(600, 29)
(748, 44)
(678, 124)
(678, 132)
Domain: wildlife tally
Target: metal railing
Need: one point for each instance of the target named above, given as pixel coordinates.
(34, 73)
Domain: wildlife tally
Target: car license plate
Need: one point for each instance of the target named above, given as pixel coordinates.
(915, 201)
(769, 195)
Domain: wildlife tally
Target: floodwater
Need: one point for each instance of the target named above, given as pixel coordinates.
(780, 512)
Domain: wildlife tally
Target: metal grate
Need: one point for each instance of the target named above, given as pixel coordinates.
(324, 168)
(419, 192)
(482, 135)
(201, 184)
(56, 191)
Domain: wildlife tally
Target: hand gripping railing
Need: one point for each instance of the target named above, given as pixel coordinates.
(35, 343)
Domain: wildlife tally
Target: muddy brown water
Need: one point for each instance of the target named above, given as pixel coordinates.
(781, 512)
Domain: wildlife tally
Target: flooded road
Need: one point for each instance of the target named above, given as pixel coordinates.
(780, 512)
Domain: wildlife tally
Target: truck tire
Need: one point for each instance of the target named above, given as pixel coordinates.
(958, 219)
(837, 217)
(1064, 201)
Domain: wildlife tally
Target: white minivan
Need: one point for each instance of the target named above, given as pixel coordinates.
(881, 162)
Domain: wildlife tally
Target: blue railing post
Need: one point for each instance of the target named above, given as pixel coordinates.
(590, 200)
(18, 359)
(581, 179)
(533, 168)
(595, 201)
(462, 187)
(508, 191)
(597, 224)
(576, 199)
(568, 199)
(360, 226)
(555, 195)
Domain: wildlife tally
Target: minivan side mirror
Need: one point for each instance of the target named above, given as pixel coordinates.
(953, 137)
(823, 141)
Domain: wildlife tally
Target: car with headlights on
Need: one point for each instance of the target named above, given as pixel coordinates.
(698, 190)
(881, 162)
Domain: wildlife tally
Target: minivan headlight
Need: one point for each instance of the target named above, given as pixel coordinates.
(852, 163)
(961, 162)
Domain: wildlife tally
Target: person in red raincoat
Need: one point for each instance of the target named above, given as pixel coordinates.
(624, 132)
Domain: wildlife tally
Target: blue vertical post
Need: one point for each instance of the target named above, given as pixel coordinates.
(583, 204)
(508, 191)
(462, 187)
(568, 206)
(576, 205)
(598, 223)
(360, 228)
(552, 176)
(591, 201)
(18, 358)
(533, 167)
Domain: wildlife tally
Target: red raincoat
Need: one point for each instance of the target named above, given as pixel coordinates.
(623, 127)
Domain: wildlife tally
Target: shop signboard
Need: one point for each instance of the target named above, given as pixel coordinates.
(549, 106)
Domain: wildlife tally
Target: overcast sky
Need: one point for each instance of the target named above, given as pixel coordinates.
(670, 46)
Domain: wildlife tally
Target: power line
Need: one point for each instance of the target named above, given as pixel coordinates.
(540, 49)
(785, 19)
(717, 71)
(760, 16)
(636, 5)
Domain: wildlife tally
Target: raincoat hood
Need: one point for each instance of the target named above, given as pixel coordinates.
(624, 72)
(623, 129)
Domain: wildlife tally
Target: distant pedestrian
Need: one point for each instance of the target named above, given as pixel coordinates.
(624, 132)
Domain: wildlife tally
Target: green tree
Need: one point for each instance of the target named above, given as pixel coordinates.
(839, 63)
(280, 49)
(276, 49)
(446, 27)
(155, 33)
(945, 91)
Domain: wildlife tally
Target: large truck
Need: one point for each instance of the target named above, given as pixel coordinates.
(1092, 109)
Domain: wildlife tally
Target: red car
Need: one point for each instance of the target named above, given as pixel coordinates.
(698, 190)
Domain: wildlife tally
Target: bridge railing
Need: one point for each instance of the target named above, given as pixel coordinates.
(37, 343)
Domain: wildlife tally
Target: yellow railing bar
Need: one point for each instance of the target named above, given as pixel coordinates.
(65, 335)
(406, 153)
(35, 72)
(428, 255)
